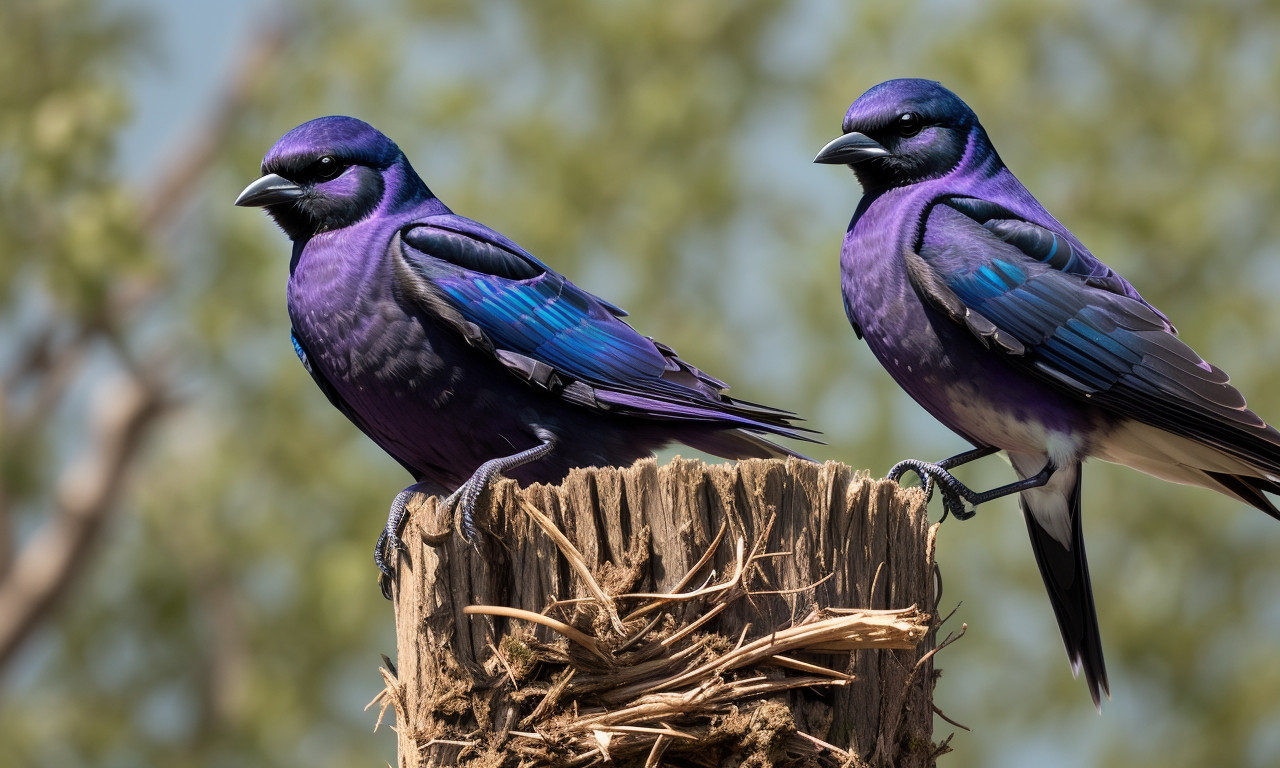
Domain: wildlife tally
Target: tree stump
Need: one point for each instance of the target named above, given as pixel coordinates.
(759, 613)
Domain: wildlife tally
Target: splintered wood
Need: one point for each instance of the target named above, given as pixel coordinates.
(766, 613)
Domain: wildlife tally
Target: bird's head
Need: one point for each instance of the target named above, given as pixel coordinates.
(901, 132)
(326, 174)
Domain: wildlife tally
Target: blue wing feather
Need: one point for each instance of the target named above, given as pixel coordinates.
(1080, 325)
(479, 233)
(522, 307)
(542, 314)
(541, 318)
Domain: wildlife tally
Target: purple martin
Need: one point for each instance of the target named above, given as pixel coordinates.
(459, 353)
(1005, 328)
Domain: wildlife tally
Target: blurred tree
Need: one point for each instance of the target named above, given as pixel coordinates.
(657, 153)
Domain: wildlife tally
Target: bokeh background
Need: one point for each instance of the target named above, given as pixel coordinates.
(186, 526)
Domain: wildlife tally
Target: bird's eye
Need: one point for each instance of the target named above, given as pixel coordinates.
(327, 167)
(909, 124)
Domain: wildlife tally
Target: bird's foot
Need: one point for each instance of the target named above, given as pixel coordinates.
(959, 499)
(954, 492)
(387, 551)
(463, 501)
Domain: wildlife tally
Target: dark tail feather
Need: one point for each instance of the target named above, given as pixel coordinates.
(1251, 490)
(736, 444)
(1065, 571)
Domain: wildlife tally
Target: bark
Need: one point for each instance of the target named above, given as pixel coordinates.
(692, 615)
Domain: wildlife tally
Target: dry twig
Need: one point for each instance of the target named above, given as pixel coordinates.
(737, 656)
(657, 688)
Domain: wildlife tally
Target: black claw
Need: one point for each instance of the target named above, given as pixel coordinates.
(390, 545)
(953, 505)
(387, 551)
(463, 504)
(383, 556)
(958, 499)
(954, 493)
(924, 470)
(471, 490)
(379, 556)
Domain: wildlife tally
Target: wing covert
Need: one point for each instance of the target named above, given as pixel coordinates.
(551, 333)
(1057, 311)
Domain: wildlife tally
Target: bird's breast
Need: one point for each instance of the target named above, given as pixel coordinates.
(398, 372)
(973, 390)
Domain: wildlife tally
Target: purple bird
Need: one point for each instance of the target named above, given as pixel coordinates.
(1003, 326)
(456, 351)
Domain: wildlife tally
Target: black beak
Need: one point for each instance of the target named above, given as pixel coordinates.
(849, 149)
(269, 190)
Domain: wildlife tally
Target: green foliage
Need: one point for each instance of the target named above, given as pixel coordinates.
(63, 213)
(658, 154)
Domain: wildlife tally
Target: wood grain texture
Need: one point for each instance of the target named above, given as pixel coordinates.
(825, 537)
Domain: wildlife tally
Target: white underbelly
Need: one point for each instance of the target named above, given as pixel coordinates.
(1003, 429)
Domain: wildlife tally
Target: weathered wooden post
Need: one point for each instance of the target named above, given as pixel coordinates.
(760, 613)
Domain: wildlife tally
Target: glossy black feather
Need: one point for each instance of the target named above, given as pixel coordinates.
(471, 254)
(1065, 571)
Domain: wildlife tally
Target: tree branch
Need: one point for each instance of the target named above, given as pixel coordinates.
(87, 492)
(34, 580)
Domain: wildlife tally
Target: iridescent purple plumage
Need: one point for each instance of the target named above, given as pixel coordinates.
(1002, 325)
(450, 346)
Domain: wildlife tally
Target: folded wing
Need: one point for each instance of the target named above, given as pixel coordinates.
(1050, 307)
(554, 335)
